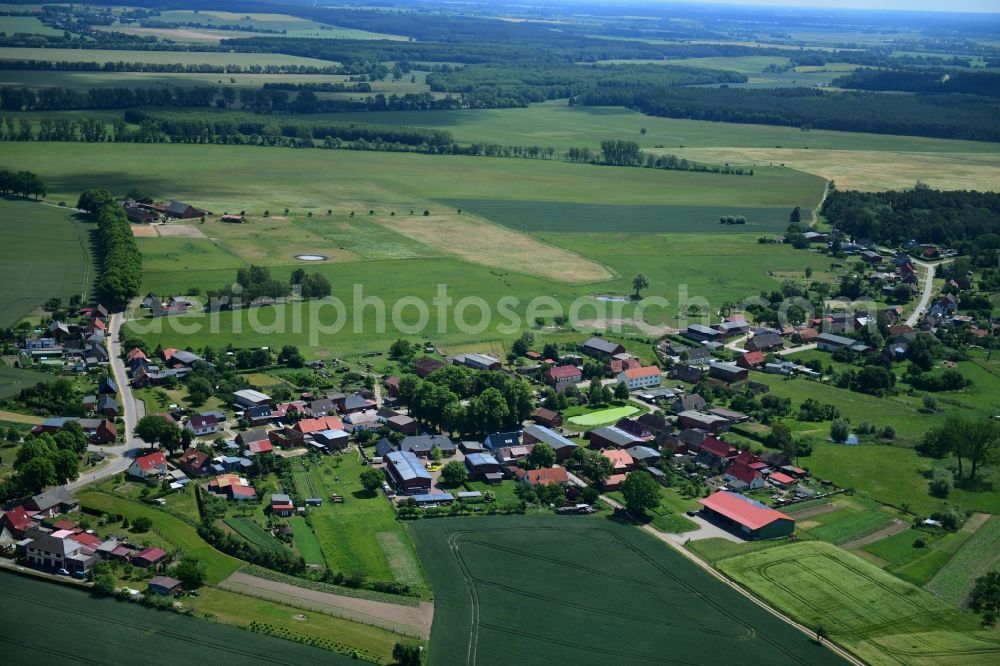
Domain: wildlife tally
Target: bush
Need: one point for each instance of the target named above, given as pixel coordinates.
(920, 542)
(142, 524)
(941, 484)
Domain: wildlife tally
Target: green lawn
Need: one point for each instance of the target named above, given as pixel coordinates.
(101, 627)
(305, 541)
(252, 531)
(46, 254)
(880, 618)
(977, 557)
(560, 590)
(353, 535)
(172, 529)
(898, 549)
(599, 417)
(892, 474)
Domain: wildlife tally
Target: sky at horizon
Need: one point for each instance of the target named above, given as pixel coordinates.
(981, 6)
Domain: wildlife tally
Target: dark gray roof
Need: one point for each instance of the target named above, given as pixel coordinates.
(407, 466)
(383, 447)
(500, 439)
(548, 436)
(616, 436)
(600, 344)
(643, 453)
(424, 443)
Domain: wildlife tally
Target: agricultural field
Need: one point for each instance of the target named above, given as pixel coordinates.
(47, 254)
(518, 590)
(101, 627)
(852, 519)
(880, 618)
(13, 25)
(13, 380)
(360, 535)
(978, 556)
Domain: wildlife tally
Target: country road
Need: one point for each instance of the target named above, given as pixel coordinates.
(925, 297)
(124, 453)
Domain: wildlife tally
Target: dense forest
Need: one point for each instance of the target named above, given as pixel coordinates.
(943, 116)
(924, 81)
(491, 86)
(922, 214)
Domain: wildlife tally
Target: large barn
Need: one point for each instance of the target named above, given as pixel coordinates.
(750, 518)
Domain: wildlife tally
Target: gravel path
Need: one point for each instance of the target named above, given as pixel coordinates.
(410, 620)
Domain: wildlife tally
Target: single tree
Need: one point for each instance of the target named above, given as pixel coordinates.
(542, 455)
(142, 524)
(840, 429)
(639, 282)
(406, 654)
(190, 572)
(985, 598)
(621, 391)
(372, 479)
(641, 492)
(454, 473)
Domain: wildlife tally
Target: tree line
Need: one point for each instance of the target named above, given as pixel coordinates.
(65, 99)
(21, 184)
(167, 68)
(121, 261)
(921, 213)
(498, 86)
(618, 152)
(925, 81)
(941, 116)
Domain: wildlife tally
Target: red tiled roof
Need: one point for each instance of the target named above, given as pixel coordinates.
(151, 460)
(783, 479)
(151, 554)
(620, 458)
(746, 458)
(638, 373)
(754, 358)
(281, 507)
(742, 509)
(18, 519)
(563, 372)
(545, 476)
(260, 447)
(742, 472)
(717, 447)
(307, 426)
(620, 365)
(242, 491)
(86, 539)
(64, 525)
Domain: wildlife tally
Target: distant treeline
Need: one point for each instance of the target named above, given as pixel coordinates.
(321, 87)
(21, 184)
(942, 116)
(164, 68)
(924, 81)
(65, 99)
(498, 86)
(923, 214)
(616, 152)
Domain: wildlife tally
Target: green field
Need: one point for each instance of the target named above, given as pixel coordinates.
(250, 530)
(99, 630)
(877, 616)
(47, 254)
(522, 590)
(603, 416)
(561, 126)
(360, 535)
(852, 525)
(568, 217)
(170, 528)
(979, 556)
(13, 380)
(13, 25)
(305, 541)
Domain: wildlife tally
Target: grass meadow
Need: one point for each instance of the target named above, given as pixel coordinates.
(880, 618)
(170, 528)
(108, 628)
(521, 589)
(46, 254)
(13, 380)
(360, 535)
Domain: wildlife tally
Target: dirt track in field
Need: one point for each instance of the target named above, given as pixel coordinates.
(409, 620)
